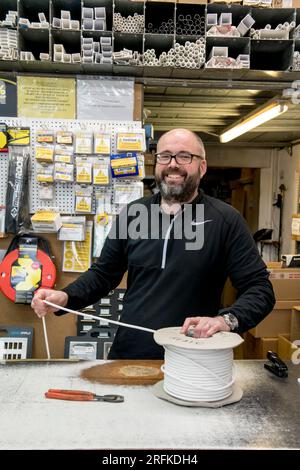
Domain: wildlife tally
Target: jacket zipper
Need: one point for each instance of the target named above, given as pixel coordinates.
(165, 247)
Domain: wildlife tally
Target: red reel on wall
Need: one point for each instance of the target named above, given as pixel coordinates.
(27, 266)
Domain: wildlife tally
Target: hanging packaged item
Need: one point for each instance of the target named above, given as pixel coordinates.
(63, 154)
(124, 165)
(43, 136)
(83, 171)
(72, 229)
(77, 255)
(83, 199)
(44, 153)
(84, 142)
(2, 220)
(46, 191)
(17, 210)
(44, 173)
(141, 164)
(26, 267)
(18, 136)
(101, 171)
(64, 172)
(102, 222)
(102, 143)
(64, 137)
(46, 220)
(3, 137)
(131, 141)
(126, 192)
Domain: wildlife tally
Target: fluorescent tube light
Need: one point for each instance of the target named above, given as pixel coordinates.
(258, 117)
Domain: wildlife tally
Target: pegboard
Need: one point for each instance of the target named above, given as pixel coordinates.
(3, 176)
(64, 193)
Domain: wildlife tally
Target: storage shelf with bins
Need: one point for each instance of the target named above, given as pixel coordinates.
(164, 24)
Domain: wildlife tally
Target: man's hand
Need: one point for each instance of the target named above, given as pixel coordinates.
(56, 296)
(204, 327)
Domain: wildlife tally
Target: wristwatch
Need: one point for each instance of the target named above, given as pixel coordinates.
(231, 321)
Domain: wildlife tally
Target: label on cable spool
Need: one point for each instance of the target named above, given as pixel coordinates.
(198, 371)
(173, 337)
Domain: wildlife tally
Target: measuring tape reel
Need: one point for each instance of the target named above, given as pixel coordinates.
(27, 266)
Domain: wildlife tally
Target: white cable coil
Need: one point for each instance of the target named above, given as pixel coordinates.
(198, 375)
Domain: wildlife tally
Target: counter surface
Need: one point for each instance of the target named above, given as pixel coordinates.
(268, 416)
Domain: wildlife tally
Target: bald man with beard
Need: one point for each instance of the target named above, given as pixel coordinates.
(178, 261)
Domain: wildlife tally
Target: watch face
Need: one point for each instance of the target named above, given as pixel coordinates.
(231, 320)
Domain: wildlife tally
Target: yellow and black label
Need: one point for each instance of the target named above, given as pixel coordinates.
(3, 138)
(18, 136)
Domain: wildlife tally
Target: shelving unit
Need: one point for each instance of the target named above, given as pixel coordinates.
(238, 12)
(171, 23)
(31, 8)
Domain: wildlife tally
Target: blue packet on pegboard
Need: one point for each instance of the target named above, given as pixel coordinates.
(124, 164)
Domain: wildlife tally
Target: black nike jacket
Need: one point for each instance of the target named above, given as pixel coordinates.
(168, 282)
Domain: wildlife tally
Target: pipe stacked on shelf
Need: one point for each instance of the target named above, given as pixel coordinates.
(190, 55)
(132, 24)
(188, 25)
(296, 61)
(8, 44)
(282, 31)
(165, 27)
(10, 20)
(127, 57)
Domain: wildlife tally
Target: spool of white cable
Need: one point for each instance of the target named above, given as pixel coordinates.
(198, 369)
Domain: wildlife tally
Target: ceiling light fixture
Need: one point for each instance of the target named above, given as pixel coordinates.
(263, 114)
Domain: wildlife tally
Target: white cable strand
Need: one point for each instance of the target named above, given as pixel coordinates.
(46, 338)
(198, 375)
(135, 327)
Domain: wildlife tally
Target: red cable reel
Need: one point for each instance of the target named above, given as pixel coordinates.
(27, 266)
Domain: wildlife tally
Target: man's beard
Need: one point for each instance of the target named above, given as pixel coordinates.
(179, 192)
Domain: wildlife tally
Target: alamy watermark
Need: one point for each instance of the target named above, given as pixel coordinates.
(139, 222)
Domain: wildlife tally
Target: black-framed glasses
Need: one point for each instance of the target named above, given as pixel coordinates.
(181, 158)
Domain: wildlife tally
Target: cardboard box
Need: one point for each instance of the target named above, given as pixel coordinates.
(238, 352)
(228, 294)
(277, 322)
(296, 225)
(138, 102)
(286, 349)
(295, 324)
(286, 283)
(274, 265)
(282, 4)
(149, 170)
(257, 348)
(149, 159)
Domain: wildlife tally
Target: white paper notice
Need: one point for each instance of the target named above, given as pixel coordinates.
(110, 100)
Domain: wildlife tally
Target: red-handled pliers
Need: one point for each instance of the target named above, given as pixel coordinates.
(79, 395)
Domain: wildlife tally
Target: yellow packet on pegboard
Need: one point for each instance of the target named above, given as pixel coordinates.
(131, 141)
(102, 143)
(44, 153)
(77, 255)
(18, 136)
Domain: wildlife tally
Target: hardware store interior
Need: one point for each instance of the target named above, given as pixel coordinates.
(87, 89)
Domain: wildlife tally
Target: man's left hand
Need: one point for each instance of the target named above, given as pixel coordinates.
(204, 327)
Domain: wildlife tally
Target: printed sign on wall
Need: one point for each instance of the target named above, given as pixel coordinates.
(46, 97)
(105, 99)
